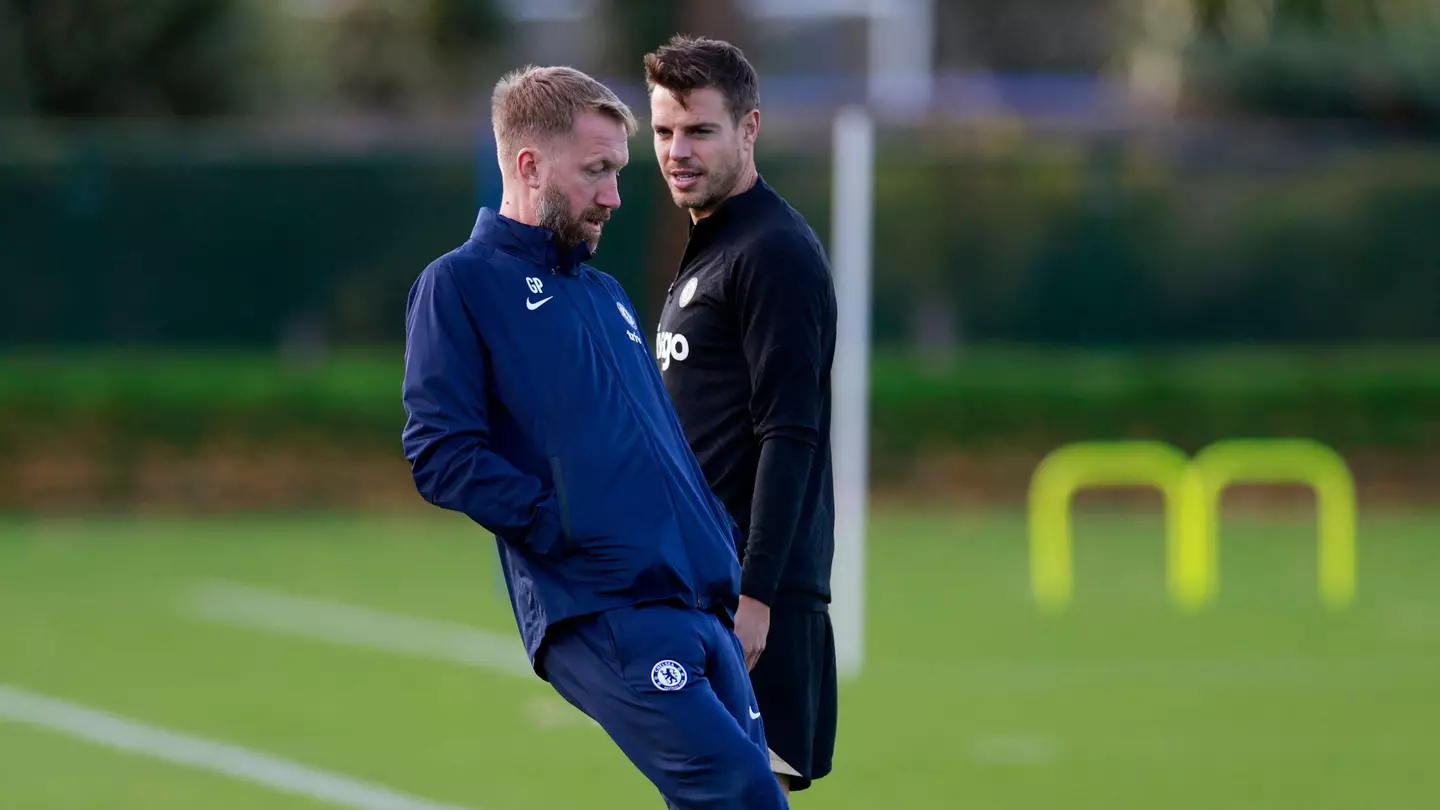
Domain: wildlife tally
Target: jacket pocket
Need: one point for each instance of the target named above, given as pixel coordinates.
(559, 476)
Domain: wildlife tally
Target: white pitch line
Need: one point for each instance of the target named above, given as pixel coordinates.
(116, 732)
(337, 623)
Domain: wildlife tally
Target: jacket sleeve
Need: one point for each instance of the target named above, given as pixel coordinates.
(783, 295)
(447, 434)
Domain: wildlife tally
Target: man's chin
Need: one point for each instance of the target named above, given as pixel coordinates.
(690, 200)
(592, 236)
(569, 244)
(686, 197)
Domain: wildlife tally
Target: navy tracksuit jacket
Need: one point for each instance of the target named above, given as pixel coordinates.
(535, 408)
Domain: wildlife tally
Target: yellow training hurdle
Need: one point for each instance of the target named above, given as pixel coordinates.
(1192, 489)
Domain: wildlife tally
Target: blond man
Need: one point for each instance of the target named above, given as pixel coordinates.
(533, 407)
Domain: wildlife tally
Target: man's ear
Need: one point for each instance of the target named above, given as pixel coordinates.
(527, 167)
(750, 127)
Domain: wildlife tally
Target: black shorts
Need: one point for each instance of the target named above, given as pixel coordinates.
(795, 687)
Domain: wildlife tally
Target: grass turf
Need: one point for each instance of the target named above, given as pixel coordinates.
(969, 697)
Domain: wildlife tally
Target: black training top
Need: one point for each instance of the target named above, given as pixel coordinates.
(745, 347)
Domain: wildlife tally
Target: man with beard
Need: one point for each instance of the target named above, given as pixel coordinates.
(533, 407)
(745, 345)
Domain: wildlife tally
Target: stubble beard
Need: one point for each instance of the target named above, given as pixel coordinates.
(721, 181)
(553, 212)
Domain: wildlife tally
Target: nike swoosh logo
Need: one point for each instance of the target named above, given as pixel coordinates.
(534, 305)
(754, 715)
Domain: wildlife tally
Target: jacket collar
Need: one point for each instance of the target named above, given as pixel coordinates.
(530, 242)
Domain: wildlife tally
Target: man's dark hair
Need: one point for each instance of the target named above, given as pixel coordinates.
(685, 64)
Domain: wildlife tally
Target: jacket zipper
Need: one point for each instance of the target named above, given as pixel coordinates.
(635, 410)
(555, 473)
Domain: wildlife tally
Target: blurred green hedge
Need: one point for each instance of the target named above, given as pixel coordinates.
(1381, 79)
(1384, 400)
(984, 401)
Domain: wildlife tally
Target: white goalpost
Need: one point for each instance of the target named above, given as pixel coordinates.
(899, 83)
(850, 257)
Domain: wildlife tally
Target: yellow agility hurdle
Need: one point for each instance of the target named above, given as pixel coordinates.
(1192, 490)
(1279, 461)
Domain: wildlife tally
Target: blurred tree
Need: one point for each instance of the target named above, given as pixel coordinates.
(1026, 35)
(643, 25)
(375, 59)
(722, 19)
(98, 58)
(460, 28)
(1262, 19)
(388, 56)
(1371, 62)
(14, 95)
(1312, 14)
(463, 35)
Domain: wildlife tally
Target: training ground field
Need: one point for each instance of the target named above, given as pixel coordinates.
(247, 662)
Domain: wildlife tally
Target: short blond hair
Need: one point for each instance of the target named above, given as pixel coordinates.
(543, 102)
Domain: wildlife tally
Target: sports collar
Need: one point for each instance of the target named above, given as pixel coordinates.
(756, 197)
(530, 242)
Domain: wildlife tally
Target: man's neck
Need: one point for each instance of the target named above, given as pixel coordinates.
(513, 206)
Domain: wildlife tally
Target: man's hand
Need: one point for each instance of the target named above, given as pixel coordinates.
(752, 626)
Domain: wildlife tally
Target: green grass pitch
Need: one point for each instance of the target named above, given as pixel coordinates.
(970, 697)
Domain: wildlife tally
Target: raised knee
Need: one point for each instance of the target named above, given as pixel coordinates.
(739, 780)
(756, 787)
